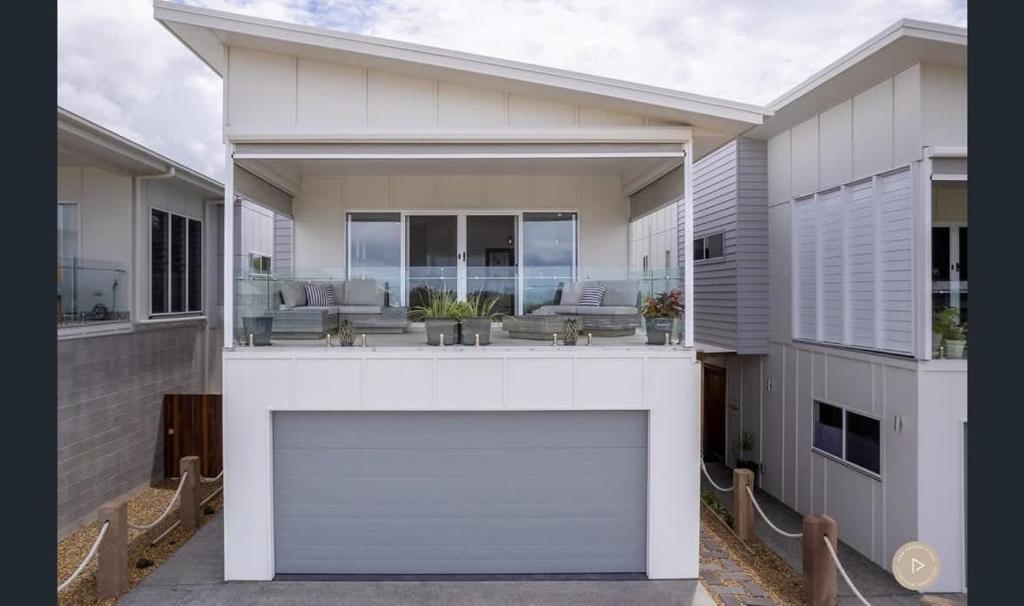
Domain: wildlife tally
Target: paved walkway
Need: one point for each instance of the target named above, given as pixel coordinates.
(725, 578)
(193, 577)
(876, 583)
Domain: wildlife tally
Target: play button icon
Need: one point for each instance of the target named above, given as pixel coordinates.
(915, 565)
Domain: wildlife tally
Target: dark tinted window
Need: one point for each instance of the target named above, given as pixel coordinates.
(178, 262)
(863, 436)
(828, 429)
(195, 265)
(159, 235)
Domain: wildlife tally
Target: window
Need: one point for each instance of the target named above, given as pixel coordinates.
(176, 263)
(852, 265)
(711, 246)
(259, 264)
(848, 436)
(949, 269)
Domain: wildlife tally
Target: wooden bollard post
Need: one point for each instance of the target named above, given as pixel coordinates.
(190, 493)
(819, 569)
(112, 556)
(742, 508)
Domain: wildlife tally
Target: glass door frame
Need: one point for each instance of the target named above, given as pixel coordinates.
(461, 261)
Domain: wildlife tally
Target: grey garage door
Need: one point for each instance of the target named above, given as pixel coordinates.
(460, 492)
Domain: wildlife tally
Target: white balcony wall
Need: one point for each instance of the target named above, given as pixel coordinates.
(274, 93)
(320, 209)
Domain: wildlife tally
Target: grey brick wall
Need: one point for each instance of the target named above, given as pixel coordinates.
(109, 406)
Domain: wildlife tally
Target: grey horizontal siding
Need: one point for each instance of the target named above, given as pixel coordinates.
(731, 294)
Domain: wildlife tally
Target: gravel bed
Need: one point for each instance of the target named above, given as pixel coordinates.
(780, 581)
(143, 508)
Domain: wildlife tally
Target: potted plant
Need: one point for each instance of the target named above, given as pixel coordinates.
(476, 315)
(659, 311)
(746, 446)
(955, 340)
(439, 313)
(941, 321)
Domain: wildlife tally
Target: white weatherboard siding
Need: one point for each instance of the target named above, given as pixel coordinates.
(319, 225)
(662, 381)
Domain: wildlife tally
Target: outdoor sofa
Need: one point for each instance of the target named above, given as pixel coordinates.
(361, 301)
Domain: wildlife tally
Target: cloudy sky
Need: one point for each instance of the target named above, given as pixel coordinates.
(121, 69)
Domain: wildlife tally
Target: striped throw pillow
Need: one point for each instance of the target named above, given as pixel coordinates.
(319, 294)
(591, 295)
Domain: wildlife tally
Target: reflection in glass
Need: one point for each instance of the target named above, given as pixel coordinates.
(549, 257)
(433, 262)
(375, 249)
(491, 259)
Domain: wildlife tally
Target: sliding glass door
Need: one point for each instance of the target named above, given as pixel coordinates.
(491, 262)
(433, 256)
(520, 258)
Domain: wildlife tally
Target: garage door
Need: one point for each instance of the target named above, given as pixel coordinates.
(460, 492)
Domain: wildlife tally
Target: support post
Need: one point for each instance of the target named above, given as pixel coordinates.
(189, 506)
(688, 244)
(229, 247)
(112, 556)
(742, 508)
(819, 569)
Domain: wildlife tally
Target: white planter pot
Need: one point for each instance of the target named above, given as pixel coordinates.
(955, 349)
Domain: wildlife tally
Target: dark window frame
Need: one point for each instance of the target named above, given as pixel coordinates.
(844, 431)
(702, 251)
(191, 304)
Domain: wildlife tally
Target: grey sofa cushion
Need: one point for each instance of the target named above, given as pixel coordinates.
(293, 294)
(620, 293)
(607, 310)
(570, 293)
(359, 309)
(339, 291)
(363, 292)
(550, 310)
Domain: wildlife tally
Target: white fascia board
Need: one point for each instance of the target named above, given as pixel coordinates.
(231, 24)
(95, 134)
(903, 28)
(641, 134)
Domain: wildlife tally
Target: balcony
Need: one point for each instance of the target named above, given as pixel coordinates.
(90, 291)
(499, 307)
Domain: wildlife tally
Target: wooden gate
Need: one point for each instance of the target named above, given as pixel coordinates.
(192, 427)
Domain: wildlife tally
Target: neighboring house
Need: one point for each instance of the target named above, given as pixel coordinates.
(138, 308)
(413, 167)
(829, 241)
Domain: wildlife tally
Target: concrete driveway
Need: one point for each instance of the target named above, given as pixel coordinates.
(193, 576)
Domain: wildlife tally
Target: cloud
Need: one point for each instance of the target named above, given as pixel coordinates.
(119, 67)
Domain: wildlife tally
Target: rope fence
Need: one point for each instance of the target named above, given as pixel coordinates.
(792, 535)
(174, 500)
(712, 482)
(112, 545)
(820, 565)
(215, 478)
(842, 571)
(88, 558)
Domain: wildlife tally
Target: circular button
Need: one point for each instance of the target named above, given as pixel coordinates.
(916, 565)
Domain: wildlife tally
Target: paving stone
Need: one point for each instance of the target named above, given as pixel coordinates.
(729, 600)
(758, 602)
(754, 589)
(729, 589)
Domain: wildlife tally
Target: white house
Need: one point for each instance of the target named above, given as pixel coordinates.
(831, 240)
(405, 166)
(138, 306)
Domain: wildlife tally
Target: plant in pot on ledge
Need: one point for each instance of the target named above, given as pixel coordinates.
(659, 311)
(949, 333)
(746, 448)
(476, 315)
(440, 314)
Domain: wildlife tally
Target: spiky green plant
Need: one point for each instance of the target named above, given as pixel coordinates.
(480, 306)
(439, 304)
